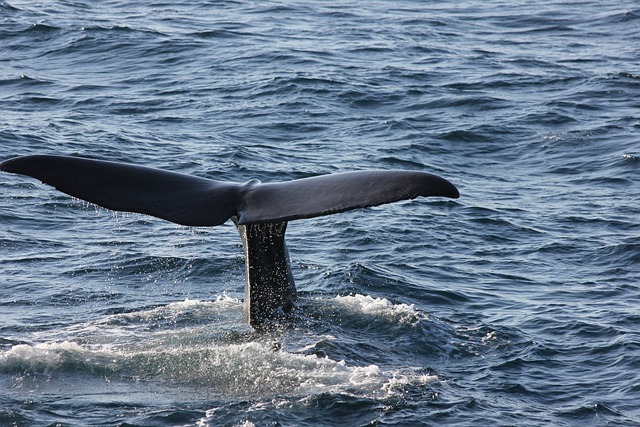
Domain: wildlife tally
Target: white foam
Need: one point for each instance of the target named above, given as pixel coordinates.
(222, 304)
(42, 357)
(380, 307)
(224, 312)
(155, 345)
(248, 369)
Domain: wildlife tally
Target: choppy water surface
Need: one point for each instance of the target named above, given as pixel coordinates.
(517, 304)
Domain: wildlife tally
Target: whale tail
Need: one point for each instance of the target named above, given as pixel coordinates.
(190, 200)
(260, 211)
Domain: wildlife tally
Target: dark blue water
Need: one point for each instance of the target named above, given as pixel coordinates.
(517, 304)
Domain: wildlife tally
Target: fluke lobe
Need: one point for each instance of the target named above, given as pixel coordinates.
(260, 211)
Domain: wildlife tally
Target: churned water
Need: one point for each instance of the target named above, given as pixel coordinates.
(517, 304)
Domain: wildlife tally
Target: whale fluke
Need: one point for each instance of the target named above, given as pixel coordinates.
(179, 198)
(329, 194)
(260, 211)
(189, 200)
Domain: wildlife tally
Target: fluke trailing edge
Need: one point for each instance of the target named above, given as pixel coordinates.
(260, 211)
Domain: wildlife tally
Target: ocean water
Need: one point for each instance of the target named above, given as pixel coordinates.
(516, 304)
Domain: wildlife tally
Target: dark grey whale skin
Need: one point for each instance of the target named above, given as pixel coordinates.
(260, 211)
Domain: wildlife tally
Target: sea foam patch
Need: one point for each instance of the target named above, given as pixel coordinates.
(184, 344)
(250, 369)
(50, 357)
(380, 307)
(223, 305)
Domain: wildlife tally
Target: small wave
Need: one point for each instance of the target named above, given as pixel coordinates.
(621, 255)
(43, 28)
(25, 82)
(586, 412)
(115, 29)
(622, 17)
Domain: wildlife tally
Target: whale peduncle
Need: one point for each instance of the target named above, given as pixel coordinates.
(270, 291)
